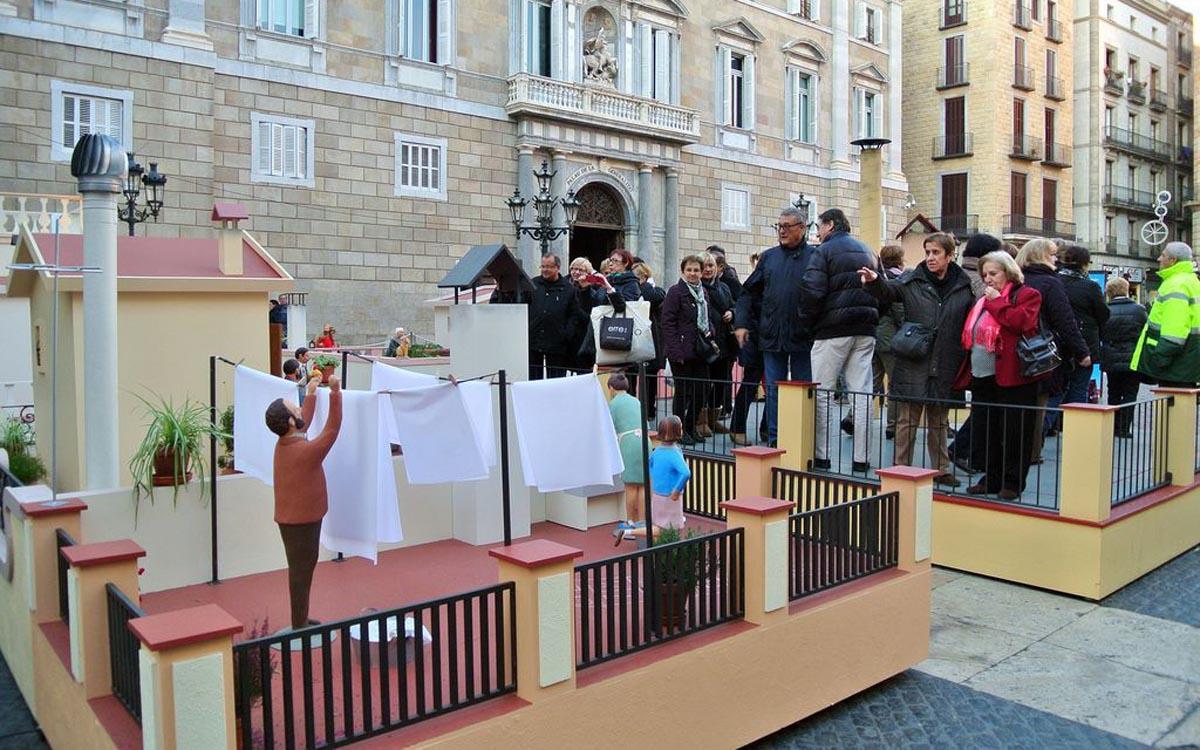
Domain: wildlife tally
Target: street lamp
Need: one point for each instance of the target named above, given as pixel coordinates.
(543, 204)
(155, 183)
(803, 203)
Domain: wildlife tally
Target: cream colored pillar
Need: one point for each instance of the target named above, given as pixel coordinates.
(797, 423)
(764, 524)
(752, 469)
(870, 196)
(1085, 474)
(93, 566)
(1181, 434)
(915, 487)
(186, 667)
(38, 554)
(543, 573)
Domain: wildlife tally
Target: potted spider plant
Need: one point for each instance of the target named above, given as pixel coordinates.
(172, 450)
(327, 365)
(678, 569)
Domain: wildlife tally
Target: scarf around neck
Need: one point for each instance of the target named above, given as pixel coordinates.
(697, 292)
(988, 333)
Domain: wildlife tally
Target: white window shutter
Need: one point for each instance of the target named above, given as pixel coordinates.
(446, 24)
(276, 149)
(675, 68)
(289, 151)
(115, 121)
(662, 65)
(556, 40)
(860, 21)
(877, 117)
(262, 156)
(748, 92)
(302, 152)
(791, 81)
(722, 79)
(311, 18)
(68, 122)
(85, 119)
(645, 53)
(859, 104)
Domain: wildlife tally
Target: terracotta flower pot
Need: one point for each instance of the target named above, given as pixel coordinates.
(164, 470)
(326, 373)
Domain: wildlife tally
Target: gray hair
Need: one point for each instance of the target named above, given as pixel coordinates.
(1178, 251)
(794, 213)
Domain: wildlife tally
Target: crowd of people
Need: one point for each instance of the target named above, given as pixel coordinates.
(1019, 329)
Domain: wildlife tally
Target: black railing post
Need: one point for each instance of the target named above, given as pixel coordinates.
(345, 369)
(212, 459)
(505, 493)
(645, 459)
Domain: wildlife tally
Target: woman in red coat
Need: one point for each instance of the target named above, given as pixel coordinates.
(992, 370)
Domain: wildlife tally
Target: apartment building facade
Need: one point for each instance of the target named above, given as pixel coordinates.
(988, 116)
(1133, 125)
(374, 141)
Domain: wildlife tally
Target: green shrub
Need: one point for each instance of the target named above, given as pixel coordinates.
(26, 467)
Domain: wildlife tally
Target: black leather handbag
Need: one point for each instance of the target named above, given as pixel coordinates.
(616, 333)
(706, 349)
(913, 341)
(1037, 351)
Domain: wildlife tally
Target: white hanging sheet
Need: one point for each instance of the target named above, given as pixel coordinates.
(476, 394)
(437, 436)
(363, 509)
(565, 433)
(253, 443)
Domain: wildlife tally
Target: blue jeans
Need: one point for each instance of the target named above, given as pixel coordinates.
(783, 366)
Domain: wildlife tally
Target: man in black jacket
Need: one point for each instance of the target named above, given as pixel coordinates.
(554, 320)
(769, 307)
(842, 317)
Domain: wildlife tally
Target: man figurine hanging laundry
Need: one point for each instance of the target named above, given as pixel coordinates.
(301, 498)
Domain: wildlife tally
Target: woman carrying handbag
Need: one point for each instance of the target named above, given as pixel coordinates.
(689, 343)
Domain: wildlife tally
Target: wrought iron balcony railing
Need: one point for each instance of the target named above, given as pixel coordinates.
(1120, 196)
(1055, 89)
(1137, 92)
(1023, 77)
(1038, 227)
(1137, 143)
(1022, 18)
(1159, 100)
(952, 146)
(1114, 83)
(961, 226)
(950, 76)
(1026, 147)
(1057, 155)
(1054, 30)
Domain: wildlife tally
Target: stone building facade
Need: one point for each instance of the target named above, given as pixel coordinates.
(1133, 128)
(988, 115)
(375, 141)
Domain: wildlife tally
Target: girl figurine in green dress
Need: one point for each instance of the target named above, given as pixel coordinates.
(627, 420)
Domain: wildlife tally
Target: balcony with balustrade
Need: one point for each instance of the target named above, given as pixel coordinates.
(38, 211)
(1025, 147)
(1137, 92)
(1159, 101)
(953, 146)
(1036, 226)
(600, 106)
(1055, 89)
(1054, 30)
(951, 76)
(1023, 77)
(1022, 18)
(962, 226)
(1057, 155)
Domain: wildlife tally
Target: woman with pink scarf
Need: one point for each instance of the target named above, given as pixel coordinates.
(1007, 311)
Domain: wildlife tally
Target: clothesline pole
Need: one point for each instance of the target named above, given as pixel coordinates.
(345, 384)
(645, 457)
(212, 458)
(504, 490)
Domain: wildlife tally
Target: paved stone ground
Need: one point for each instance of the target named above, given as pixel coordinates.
(1172, 592)
(18, 731)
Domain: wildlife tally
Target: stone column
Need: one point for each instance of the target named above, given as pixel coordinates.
(1087, 458)
(915, 487)
(1181, 434)
(671, 225)
(558, 187)
(186, 666)
(93, 566)
(895, 89)
(797, 423)
(100, 165)
(543, 574)
(527, 249)
(870, 196)
(764, 524)
(840, 85)
(753, 467)
(186, 25)
(645, 238)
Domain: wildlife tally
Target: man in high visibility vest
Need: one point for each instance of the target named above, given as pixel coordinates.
(1168, 351)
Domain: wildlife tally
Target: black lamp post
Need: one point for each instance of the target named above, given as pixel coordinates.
(543, 204)
(155, 183)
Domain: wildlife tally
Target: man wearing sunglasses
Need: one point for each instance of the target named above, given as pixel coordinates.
(768, 312)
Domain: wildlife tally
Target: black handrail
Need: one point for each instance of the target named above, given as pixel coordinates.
(349, 689)
(123, 648)
(713, 481)
(637, 600)
(1140, 448)
(840, 543)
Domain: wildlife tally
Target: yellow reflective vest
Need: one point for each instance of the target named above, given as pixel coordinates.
(1169, 347)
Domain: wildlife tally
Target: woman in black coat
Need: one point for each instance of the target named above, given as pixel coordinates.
(1038, 260)
(655, 295)
(1118, 339)
(687, 331)
(1087, 302)
(720, 372)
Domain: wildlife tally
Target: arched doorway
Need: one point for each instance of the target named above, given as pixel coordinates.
(599, 225)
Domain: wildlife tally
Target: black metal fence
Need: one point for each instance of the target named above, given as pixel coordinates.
(839, 543)
(337, 683)
(712, 483)
(1196, 440)
(1021, 443)
(123, 651)
(63, 539)
(1140, 449)
(633, 601)
(725, 413)
(808, 491)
